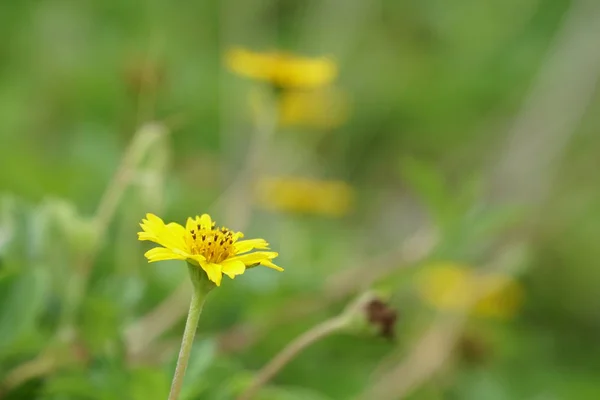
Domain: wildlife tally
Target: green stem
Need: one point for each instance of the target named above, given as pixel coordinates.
(295, 347)
(202, 287)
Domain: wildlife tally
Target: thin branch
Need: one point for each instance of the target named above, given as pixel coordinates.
(434, 347)
(46, 362)
(142, 140)
(553, 110)
(142, 333)
(309, 337)
(39, 366)
(561, 94)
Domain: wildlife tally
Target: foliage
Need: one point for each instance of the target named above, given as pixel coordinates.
(429, 91)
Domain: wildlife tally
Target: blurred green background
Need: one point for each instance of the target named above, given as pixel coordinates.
(457, 137)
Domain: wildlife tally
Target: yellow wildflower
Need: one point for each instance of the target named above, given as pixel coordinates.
(217, 251)
(304, 195)
(282, 69)
(325, 108)
(316, 109)
(454, 287)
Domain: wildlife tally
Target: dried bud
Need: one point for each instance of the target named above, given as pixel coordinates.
(382, 316)
(371, 313)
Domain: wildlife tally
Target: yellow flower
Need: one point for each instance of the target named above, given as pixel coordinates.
(334, 198)
(217, 251)
(454, 287)
(316, 109)
(282, 69)
(325, 108)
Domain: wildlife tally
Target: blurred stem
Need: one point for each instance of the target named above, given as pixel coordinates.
(142, 333)
(202, 286)
(286, 355)
(31, 369)
(75, 289)
(238, 198)
(141, 142)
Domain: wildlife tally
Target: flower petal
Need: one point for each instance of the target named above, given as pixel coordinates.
(237, 236)
(196, 259)
(213, 271)
(170, 236)
(161, 254)
(269, 264)
(205, 221)
(154, 221)
(245, 246)
(151, 226)
(259, 257)
(190, 225)
(233, 268)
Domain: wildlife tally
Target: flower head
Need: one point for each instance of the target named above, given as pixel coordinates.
(324, 109)
(455, 287)
(216, 250)
(282, 69)
(304, 195)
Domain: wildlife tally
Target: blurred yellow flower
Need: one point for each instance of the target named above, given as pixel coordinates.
(217, 251)
(282, 69)
(326, 108)
(455, 287)
(302, 195)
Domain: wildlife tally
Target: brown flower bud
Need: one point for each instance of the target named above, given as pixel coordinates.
(381, 316)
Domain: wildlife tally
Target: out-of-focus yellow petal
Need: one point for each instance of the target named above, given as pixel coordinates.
(502, 299)
(454, 287)
(282, 69)
(304, 195)
(292, 71)
(321, 109)
(231, 268)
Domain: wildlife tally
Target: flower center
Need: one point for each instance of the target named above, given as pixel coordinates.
(214, 244)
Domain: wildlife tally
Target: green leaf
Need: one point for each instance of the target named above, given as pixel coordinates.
(21, 302)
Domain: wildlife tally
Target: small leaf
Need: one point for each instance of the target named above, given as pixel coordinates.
(21, 302)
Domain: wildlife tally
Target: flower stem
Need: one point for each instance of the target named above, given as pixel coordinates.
(309, 337)
(201, 289)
